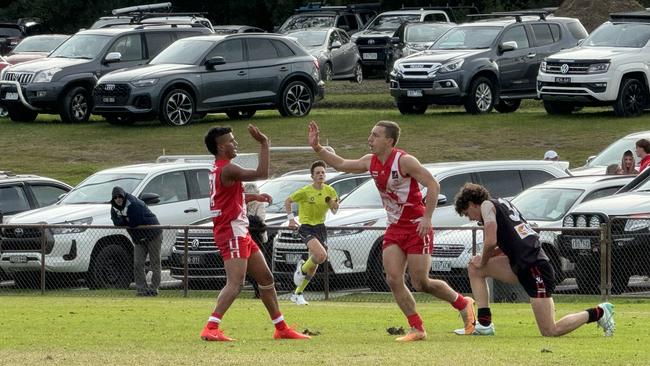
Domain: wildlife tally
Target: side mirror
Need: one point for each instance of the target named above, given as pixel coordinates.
(214, 61)
(508, 46)
(394, 40)
(113, 57)
(589, 159)
(442, 199)
(150, 198)
(336, 44)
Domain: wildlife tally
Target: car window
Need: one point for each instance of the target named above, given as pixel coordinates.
(157, 42)
(352, 21)
(344, 186)
(230, 50)
(181, 35)
(13, 200)
(434, 17)
(129, 46)
(282, 48)
(260, 49)
(542, 34)
(47, 195)
(516, 34)
(577, 30)
(501, 183)
(601, 193)
(534, 177)
(334, 37)
(546, 204)
(171, 187)
(555, 31)
(340, 21)
(202, 177)
(451, 185)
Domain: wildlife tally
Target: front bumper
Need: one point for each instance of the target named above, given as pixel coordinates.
(35, 96)
(438, 89)
(122, 98)
(587, 88)
(200, 265)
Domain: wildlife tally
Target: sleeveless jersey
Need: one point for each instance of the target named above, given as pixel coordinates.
(515, 237)
(400, 195)
(227, 206)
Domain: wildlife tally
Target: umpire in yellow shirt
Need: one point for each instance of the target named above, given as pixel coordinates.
(313, 202)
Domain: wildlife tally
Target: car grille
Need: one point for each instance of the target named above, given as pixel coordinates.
(416, 84)
(21, 240)
(573, 68)
(120, 92)
(447, 251)
(372, 41)
(196, 242)
(20, 77)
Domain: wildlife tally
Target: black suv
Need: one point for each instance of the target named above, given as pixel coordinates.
(237, 74)
(63, 82)
(484, 64)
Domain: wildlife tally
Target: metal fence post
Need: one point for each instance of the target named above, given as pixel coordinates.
(605, 268)
(326, 285)
(185, 265)
(43, 243)
(474, 241)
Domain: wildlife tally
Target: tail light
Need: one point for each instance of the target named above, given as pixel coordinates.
(316, 64)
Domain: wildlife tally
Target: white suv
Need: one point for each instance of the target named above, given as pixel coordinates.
(608, 68)
(356, 252)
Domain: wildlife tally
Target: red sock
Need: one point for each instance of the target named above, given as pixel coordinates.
(460, 303)
(278, 321)
(415, 321)
(214, 320)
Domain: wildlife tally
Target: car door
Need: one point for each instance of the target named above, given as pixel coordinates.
(176, 207)
(226, 84)
(513, 65)
(199, 184)
(131, 48)
(349, 55)
(46, 194)
(268, 64)
(501, 183)
(337, 55)
(13, 199)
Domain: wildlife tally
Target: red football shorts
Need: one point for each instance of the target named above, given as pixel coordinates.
(237, 247)
(406, 238)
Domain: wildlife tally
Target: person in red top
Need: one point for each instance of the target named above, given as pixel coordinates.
(408, 241)
(643, 151)
(239, 252)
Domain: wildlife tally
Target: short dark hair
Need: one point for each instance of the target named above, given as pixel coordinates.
(392, 130)
(644, 144)
(211, 138)
(470, 193)
(316, 164)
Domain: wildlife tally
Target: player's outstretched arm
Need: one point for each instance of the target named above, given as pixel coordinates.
(233, 172)
(343, 165)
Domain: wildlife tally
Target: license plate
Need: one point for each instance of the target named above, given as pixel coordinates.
(11, 96)
(440, 266)
(414, 93)
(563, 80)
(18, 259)
(194, 259)
(108, 99)
(292, 258)
(369, 56)
(580, 244)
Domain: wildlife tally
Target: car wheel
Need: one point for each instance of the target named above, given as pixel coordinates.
(507, 106)
(632, 98)
(481, 96)
(412, 108)
(177, 108)
(558, 108)
(119, 119)
(241, 113)
(358, 74)
(77, 105)
(3, 112)
(296, 100)
(19, 113)
(327, 72)
(111, 267)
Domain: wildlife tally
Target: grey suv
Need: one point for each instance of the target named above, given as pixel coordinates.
(237, 74)
(484, 64)
(63, 82)
(23, 192)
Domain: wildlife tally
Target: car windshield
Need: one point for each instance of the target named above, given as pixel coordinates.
(366, 195)
(304, 21)
(39, 44)
(425, 32)
(633, 35)
(467, 38)
(99, 187)
(546, 204)
(392, 22)
(614, 153)
(185, 52)
(9, 32)
(279, 190)
(310, 38)
(84, 46)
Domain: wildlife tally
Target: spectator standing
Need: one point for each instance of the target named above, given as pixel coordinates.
(643, 152)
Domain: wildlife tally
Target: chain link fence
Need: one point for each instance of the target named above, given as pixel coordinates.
(606, 260)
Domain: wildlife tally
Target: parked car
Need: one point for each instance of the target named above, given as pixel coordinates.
(337, 56)
(12, 33)
(231, 29)
(607, 69)
(63, 82)
(411, 38)
(356, 252)
(33, 48)
(626, 213)
(543, 206)
(612, 154)
(482, 65)
(150, 14)
(205, 264)
(24, 192)
(236, 74)
(350, 18)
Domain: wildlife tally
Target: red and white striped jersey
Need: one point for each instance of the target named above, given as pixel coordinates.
(227, 206)
(401, 195)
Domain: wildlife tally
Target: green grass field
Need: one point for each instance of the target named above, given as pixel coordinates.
(55, 330)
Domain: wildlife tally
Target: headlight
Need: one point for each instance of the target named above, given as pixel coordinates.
(144, 82)
(355, 228)
(637, 224)
(581, 221)
(452, 66)
(542, 66)
(598, 68)
(45, 76)
(72, 230)
(568, 221)
(594, 221)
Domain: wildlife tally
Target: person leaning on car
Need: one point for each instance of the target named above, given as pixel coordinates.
(130, 211)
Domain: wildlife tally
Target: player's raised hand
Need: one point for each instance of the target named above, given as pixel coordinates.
(314, 136)
(257, 134)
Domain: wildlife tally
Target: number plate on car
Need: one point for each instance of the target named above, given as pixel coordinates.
(562, 80)
(11, 96)
(108, 99)
(18, 259)
(580, 244)
(292, 258)
(369, 56)
(414, 93)
(440, 266)
(193, 259)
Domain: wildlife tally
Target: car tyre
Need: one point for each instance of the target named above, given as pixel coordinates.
(632, 98)
(481, 96)
(177, 108)
(296, 100)
(241, 113)
(558, 108)
(328, 74)
(119, 119)
(111, 267)
(77, 105)
(358, 74)
(19, 113)
(412, 108)
(507, 106)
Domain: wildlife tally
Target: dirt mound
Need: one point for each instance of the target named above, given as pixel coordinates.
(593, 13)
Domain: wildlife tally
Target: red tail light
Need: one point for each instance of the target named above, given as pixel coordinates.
(315, 61)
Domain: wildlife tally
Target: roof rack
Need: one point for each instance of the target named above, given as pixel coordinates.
(642, 16)
(141, 8)
(320, 6)
(156, 24)
(515, 14)
(7, 173)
